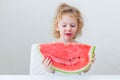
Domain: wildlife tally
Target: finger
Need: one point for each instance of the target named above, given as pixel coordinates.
(93, 60)
(50, 69)
(43, 60)
(48, 62)
(93, 54)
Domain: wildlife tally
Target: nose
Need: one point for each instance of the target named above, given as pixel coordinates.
(68, 28)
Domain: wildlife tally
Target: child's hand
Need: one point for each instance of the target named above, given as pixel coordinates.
(93, 58)
(92, 61)
(47, 64)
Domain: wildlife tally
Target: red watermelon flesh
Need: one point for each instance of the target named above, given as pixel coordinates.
(68, 58)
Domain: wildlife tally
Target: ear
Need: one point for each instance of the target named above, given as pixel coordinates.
(57, 28)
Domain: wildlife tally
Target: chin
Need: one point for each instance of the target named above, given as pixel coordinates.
(68, 39)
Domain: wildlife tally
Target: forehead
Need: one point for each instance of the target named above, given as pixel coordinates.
(68, 14)
(68, 18)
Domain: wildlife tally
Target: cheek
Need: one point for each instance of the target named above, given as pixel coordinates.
(59, 27)
(75, 30)
(61, 30)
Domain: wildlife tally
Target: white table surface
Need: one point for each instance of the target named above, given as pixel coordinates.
(52, 77)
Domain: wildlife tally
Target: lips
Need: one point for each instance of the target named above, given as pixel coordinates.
(68, 34)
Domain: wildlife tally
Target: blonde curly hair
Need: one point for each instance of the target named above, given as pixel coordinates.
(63, 9)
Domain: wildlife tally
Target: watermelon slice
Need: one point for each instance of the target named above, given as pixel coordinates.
(68, 58)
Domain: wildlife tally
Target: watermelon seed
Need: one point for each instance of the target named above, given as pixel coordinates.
(79, 57)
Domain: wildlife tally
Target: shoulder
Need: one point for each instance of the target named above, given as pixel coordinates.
(35, 45)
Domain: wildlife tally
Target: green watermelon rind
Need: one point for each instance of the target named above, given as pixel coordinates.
(91, 52)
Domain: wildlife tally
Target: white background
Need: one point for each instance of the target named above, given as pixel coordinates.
(25, 22)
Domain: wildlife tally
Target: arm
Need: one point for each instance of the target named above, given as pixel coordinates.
(36, 66)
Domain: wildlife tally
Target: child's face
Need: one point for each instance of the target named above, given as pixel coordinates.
(67, 26)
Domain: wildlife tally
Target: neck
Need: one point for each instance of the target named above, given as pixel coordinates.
(66, 41)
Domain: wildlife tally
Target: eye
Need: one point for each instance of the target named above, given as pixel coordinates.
(64, 25)
(72, 25)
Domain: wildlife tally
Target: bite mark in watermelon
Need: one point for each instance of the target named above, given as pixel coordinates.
(70, 58)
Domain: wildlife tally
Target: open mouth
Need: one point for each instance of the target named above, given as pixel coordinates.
(68, 34)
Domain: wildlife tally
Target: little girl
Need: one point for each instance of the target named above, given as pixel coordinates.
(68, 24)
